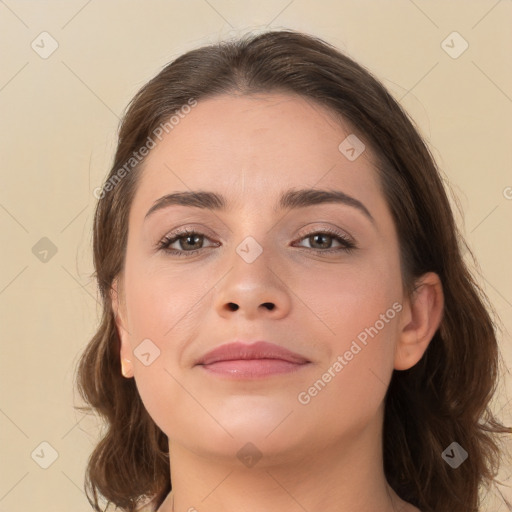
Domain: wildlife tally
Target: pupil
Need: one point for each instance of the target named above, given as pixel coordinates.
(322, 236)
(191, 237)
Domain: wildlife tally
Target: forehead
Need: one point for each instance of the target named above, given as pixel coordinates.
(249, 148)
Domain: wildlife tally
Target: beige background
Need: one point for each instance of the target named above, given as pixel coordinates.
(59, 121)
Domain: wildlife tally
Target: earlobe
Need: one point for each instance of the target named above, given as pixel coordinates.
(422, 316)
(126, 367)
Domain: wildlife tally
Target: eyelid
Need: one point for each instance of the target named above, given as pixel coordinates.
(188, 229)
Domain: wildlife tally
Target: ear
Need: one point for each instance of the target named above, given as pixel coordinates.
(421, 318)
(119, 310)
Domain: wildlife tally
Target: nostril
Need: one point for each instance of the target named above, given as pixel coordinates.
(268, 305)
(232, 306)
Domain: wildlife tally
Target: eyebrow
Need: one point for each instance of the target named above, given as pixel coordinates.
(290, 199)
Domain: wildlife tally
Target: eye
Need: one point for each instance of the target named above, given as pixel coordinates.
(324, 239)
(189, 242)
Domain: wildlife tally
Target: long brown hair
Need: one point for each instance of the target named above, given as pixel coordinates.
(442, 399)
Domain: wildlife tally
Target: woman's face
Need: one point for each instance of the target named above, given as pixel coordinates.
(335, 306)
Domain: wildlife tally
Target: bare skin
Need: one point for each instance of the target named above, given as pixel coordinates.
(319, 450)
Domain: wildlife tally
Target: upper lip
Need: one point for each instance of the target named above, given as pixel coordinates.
(256, 350)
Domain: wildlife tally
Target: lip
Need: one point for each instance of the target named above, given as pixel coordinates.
(258, 359)
(257, 350)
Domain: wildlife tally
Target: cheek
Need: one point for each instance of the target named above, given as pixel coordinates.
(344, 303)
(161, 299)
(164, 314)
(359, 311)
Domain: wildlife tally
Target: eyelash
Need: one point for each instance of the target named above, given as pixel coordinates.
(163, 245)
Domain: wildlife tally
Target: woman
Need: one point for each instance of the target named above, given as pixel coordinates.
(288, 322)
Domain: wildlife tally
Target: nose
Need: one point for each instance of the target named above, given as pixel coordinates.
(254, 290)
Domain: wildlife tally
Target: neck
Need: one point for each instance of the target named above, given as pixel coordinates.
(344, 476)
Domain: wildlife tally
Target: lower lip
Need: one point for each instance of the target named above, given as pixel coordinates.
(252, 368)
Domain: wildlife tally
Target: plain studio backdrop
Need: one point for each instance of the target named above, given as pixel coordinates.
(68, 70)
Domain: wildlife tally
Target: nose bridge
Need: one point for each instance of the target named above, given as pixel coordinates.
(253, 284)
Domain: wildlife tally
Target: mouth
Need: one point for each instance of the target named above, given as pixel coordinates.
(251, 361)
